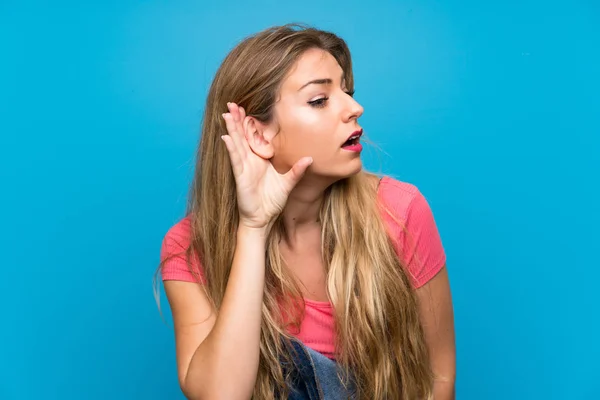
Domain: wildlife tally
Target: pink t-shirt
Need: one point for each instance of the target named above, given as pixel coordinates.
(421, 251)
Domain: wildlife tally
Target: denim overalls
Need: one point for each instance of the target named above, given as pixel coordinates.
(315, 377)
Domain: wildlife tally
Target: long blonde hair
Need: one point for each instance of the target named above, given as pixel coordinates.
(379, 337)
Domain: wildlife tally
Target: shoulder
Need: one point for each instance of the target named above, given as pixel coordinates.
(412, 227)
(178, 263)
(397, 197)
(179, 234)
(403, 204)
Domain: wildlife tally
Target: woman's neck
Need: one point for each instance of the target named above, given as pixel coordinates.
(301, 212)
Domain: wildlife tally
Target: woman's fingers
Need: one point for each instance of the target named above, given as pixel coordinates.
(237, 163)
(237, 137)
(234, 111)
(244, 122)
(239, 114)
(293, 176)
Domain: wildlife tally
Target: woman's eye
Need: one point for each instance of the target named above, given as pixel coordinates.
(318, 102)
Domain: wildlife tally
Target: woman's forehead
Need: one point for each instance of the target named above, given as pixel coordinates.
(314, 64)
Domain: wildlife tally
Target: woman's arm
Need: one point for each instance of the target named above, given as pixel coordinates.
(438, 322)
(217, 355)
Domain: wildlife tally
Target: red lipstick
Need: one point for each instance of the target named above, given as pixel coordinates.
(353, 141)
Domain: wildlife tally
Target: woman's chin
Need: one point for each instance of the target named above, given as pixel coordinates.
(335, 172)
(355, 166)
(350, 169)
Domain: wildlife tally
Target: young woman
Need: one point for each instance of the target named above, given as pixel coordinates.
(296, 274)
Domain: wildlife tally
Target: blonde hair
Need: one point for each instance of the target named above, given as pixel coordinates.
(379, 337)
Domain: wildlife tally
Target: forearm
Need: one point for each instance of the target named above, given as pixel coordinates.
(232, 348)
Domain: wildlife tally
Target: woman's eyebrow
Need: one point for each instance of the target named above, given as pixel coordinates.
(322, 81)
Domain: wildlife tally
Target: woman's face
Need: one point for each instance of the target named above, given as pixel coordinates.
(315, 116)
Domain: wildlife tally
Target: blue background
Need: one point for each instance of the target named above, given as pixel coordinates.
(490, 108)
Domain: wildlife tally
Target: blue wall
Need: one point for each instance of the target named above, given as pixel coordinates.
(491, 109)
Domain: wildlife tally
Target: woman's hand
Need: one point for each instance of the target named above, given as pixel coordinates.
(261, 191)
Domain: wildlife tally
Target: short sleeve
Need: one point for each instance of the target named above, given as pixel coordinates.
(173, 255)
(413, 230)
(422, 247)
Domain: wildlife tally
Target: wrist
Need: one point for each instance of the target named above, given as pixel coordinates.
(252, 230)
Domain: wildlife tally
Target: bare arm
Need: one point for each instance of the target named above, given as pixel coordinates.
(438, 322)
(211, 349)
(218, 355)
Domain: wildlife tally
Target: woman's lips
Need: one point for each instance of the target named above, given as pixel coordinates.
(355, 147)
(353, 139)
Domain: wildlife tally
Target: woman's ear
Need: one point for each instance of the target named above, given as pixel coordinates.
(258, 138)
